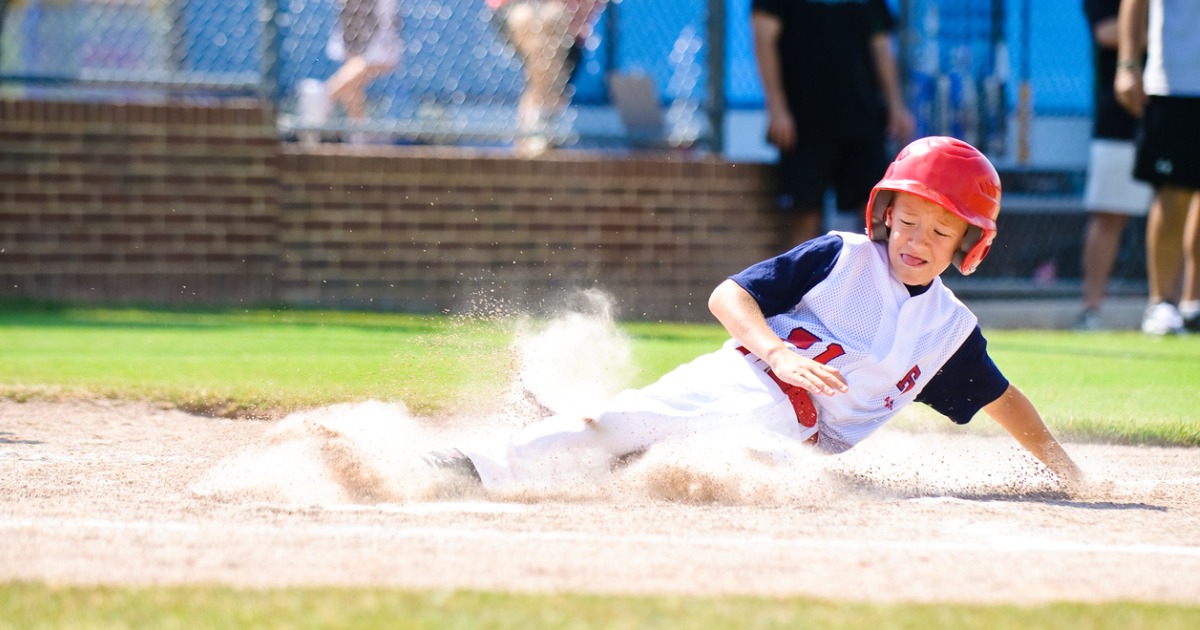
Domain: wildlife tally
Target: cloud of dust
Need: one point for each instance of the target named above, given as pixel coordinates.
(369, 452)
(349, 453)
(737, 467)
(570, 363)
(576, 361)
(956, 462)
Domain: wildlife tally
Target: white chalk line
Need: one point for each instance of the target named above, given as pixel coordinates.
(1149, 483)
(1007, 545)
(464, 507)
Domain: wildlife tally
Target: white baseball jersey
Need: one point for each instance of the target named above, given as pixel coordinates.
(886, 343)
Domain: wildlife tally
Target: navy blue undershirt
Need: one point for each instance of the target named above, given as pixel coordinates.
(966, 383)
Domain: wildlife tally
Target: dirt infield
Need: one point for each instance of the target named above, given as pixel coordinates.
(101, 492)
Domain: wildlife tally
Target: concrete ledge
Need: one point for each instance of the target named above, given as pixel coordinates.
(1118, 313)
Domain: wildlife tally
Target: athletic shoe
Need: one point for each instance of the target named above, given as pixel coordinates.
(452, 461)
(1190, 311)
(1089, 320)
(1191, 323)
(1162, 319)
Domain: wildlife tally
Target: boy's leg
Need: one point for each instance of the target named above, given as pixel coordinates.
(717, 391)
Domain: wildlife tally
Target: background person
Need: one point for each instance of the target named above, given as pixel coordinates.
(547, 35)
(833, 98)
(1166, 96)
(367, 42)
(1111, 194)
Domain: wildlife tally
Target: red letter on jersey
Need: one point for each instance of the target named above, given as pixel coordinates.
(804, 340)
(910, 380)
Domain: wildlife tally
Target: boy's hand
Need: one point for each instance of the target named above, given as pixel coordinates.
(1013, 411)
(1077, 484)
(815, 378)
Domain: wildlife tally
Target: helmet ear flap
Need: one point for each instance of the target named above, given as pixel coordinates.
(975, 245)
(877, 208)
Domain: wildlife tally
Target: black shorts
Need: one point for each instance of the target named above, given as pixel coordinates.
(850, 167)
(1168, 150)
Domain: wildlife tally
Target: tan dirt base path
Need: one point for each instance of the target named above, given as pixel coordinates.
(113, 493)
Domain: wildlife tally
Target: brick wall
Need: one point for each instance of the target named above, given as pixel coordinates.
(138, 203)
(178, 204)
(429, 229)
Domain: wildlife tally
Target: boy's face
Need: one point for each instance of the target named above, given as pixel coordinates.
(924, 237)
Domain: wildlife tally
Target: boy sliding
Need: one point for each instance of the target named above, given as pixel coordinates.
(828, 341)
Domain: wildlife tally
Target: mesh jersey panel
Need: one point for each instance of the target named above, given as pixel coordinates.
(886, 343)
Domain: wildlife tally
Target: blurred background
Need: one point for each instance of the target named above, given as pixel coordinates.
(1010, 76)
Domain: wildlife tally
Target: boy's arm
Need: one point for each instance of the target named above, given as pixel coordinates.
(1014, 411)
(740, 314)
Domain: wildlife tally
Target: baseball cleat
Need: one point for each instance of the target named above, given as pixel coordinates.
(452, 461)
(626, 460)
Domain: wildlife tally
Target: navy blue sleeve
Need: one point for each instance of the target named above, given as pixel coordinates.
(968, 382)
(778, 283)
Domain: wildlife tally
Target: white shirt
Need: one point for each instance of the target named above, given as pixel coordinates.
(886, 342)
(1173, 49)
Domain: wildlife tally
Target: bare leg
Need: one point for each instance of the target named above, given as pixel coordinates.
(348, 86)
(539, 34)
(1164, 242)
(1191, 250)
(1099, 253)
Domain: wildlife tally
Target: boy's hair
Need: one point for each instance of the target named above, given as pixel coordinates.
(952, 174)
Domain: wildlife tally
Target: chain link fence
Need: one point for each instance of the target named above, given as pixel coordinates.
(1002, 74)
(132, 49)
(635, 72)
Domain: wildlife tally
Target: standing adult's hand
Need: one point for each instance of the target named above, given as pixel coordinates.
(781, 128)
(901, 124)
(1132, 24)
(1129, 90)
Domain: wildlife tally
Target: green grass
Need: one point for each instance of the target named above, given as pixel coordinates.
(30, 607)
(246, 362)
(1119, 386)
(1108, 386)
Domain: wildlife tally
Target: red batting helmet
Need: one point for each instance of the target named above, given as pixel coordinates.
(952, 174)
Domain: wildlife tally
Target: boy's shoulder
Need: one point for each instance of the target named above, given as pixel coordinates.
(857, 243)
(852, 237)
